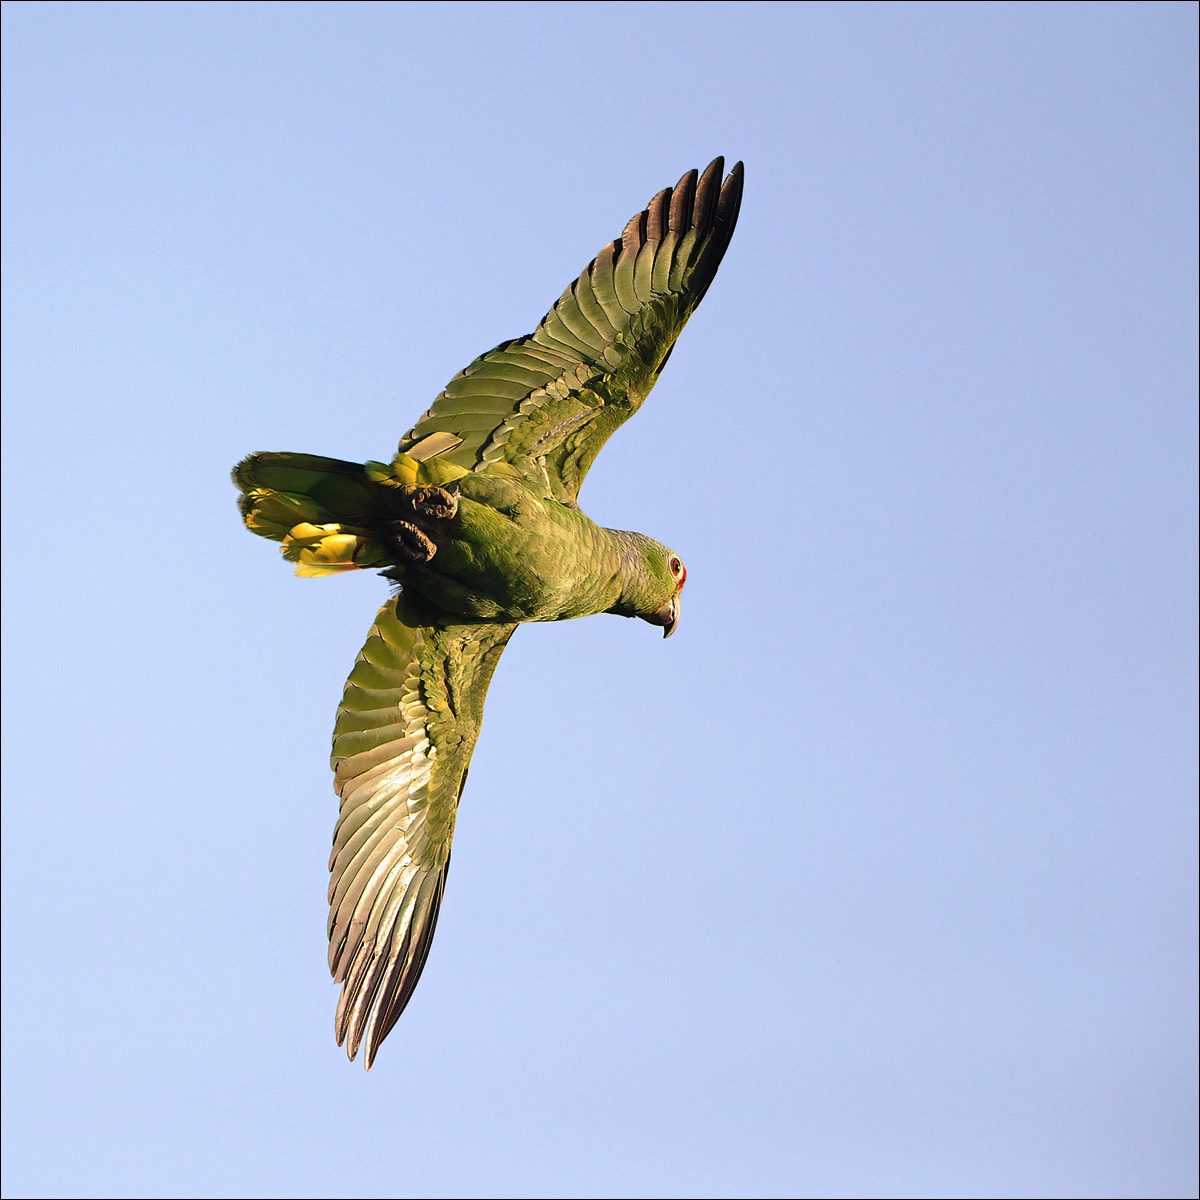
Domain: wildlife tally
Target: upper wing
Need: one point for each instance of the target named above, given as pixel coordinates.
(548, 402)
(405, 730)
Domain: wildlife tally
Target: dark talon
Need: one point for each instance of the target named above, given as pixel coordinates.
(437, 502)
(414, 546)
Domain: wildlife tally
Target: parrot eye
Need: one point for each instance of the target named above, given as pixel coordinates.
(678, 570)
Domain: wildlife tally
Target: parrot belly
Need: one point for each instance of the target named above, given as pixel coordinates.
(510, 555)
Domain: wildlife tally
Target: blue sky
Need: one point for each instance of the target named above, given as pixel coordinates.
(878, 879)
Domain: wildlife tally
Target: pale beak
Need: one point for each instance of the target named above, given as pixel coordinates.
(667, 616)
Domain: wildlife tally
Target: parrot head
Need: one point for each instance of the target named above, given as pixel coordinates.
(672, 575)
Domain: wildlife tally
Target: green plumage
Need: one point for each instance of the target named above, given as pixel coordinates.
(476, 519)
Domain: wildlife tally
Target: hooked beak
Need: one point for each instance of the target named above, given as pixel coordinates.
(667, 616)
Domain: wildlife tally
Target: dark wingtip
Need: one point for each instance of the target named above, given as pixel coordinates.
(715, 215)
(706, 193)
(730, 202)
(680, 215)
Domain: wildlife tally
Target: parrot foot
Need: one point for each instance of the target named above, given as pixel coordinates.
(414, 533)
(415, 547)
(437, 502)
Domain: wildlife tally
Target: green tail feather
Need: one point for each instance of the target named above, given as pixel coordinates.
(320, 489)
(323, 510)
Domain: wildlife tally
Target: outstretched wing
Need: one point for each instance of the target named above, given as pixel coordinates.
(405, 731)
(547, 403)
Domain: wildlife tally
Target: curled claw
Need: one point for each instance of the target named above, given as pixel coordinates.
(437, 502)
(415, 546)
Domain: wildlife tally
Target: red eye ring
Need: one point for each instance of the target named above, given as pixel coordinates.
(677, 569)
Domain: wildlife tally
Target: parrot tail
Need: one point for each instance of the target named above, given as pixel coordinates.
(323, 510)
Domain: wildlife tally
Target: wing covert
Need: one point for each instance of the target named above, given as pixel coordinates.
(546, 404)
(406, 727)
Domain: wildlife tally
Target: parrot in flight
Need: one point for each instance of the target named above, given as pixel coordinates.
(477, 521)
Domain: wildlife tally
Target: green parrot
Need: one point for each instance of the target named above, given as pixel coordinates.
(477, 521)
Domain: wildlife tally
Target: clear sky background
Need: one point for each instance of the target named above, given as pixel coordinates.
(878, 878)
